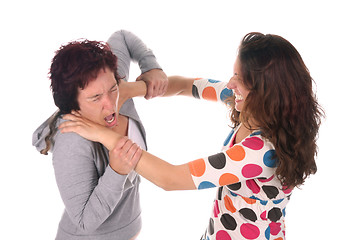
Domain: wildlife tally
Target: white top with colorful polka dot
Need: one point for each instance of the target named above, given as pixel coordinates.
(250, 202)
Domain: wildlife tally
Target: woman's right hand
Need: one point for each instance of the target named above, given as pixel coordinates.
(124, 156)
(82, 126)
(89, 130)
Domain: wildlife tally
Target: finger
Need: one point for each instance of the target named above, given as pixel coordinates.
(139, 78)
(132, 150)
(157, 89)
(69, 117)
(68, 124)
(150, 91)
(120, 143)
(126, 148)
(76, 113)
(137, 156)
(164, 89)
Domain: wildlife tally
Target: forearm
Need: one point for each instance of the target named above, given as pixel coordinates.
(179, 85)
(107, 137)
(163, 174)
(129, 90)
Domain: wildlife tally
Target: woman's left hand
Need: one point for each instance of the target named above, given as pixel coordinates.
(156, 82)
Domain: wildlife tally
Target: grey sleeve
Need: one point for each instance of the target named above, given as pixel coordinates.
(128, 47)
(89, 199)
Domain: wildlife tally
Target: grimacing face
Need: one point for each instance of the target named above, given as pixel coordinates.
(98, 101)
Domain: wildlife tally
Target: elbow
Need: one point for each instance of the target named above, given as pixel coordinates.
(167, 185)
(87, 228)
(168, 188)
(86, 225)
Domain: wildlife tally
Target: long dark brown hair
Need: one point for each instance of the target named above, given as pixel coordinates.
(282, 102)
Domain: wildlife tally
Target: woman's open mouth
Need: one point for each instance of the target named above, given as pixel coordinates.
(110, 120)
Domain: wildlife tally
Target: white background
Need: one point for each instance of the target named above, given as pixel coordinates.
(191, 38)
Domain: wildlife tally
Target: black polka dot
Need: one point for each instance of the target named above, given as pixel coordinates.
(271, 191)
(218, 161)
(288, 197)
(228, 221)
(211, 226)
(219, 193)
(275, 214)
(235, 186)
(195, 92)
(248, 214)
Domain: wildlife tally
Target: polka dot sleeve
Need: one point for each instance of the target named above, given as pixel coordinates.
(212, 90)
(252, 158)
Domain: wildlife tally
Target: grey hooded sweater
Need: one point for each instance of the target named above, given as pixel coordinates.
(99, 203)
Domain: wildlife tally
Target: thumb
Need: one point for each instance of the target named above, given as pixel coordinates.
(139, 78)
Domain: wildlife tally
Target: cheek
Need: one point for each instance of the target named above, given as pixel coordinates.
(89, 112)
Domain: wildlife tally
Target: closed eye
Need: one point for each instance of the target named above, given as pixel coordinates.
(114, 88)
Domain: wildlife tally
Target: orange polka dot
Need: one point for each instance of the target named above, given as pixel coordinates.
(209, 93)
(228, 178)
(249, 200)
(280, 238)
(236, 153)
(197, 167)
(229, 204)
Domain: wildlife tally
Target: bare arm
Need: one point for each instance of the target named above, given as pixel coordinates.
(179, 85)
(156, 170)
(129, 90)
(163, 174)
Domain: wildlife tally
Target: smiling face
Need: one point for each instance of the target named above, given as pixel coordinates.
(236, 83)
(98, 101)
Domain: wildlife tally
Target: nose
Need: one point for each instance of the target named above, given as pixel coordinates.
(107, 102)
(231, 84)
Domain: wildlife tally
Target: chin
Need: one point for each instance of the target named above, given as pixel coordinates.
(238, 109)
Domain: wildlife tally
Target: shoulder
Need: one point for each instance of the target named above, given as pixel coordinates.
(71, 143)
(257, 148)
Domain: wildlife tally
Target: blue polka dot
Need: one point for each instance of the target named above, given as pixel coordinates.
(278, 201)
(269, 159)
(213, 81)
(233, 194)
(255, 133)
(225, 94)
(267, 233)
(228, 137)
(284, 212)
(206, 184)
(263, 202)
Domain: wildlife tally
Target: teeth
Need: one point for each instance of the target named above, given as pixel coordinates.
(239, 97)
(111, 120)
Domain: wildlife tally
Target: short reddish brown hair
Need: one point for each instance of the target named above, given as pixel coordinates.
(74, 66)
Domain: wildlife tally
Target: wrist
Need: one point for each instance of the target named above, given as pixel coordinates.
(133, 89)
